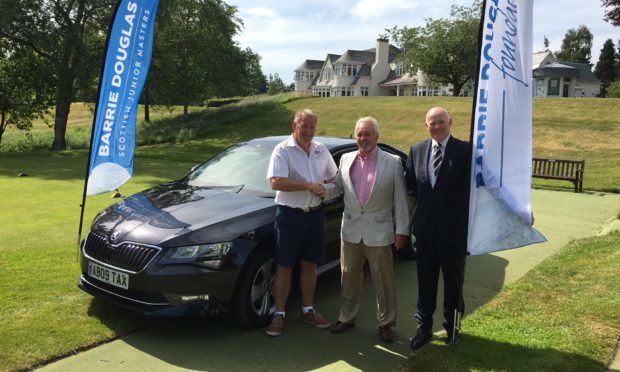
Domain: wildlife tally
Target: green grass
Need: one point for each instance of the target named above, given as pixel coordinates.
(561, 316)
(562, 128)
(41, 136)
(42, 312)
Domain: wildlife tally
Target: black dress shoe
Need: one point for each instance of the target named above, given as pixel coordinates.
(453, 338)
(340, 327)
(420, 339)
(386, 334)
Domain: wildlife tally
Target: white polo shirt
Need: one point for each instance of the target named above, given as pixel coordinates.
(289, 160)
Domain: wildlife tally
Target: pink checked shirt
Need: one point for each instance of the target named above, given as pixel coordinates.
(363, 172)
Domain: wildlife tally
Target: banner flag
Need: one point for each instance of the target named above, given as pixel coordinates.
(500, 209)
(127, 62)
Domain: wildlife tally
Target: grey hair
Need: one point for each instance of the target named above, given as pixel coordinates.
(301, 112)
(369, 119)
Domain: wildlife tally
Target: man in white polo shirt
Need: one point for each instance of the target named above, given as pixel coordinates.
(298, 169)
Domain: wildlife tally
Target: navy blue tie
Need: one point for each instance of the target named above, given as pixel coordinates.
(437, 158)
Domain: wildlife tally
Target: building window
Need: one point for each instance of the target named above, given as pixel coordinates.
(553, 89)
(364, 91)
(346, 70)
(540, 87)
(399, 69)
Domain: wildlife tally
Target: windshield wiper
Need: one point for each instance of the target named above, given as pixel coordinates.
(235, 188)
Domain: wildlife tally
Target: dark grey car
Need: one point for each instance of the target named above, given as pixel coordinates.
(200, 244)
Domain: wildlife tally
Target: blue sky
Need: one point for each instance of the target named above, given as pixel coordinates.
(285, 33)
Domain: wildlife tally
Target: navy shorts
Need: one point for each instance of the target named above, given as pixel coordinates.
(299, 235)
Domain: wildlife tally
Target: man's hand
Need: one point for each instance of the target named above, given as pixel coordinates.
(318, 189)
(400, 241)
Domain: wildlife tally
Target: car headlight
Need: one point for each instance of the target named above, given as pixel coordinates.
(207, 255)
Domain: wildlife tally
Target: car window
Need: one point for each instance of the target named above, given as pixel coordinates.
(243, 166)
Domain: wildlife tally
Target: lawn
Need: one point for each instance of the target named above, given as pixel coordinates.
(563, 128)
(564, 315)
(42, 312)
(41, 308)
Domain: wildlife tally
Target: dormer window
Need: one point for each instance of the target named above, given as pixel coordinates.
(399, 69)
(346, 69)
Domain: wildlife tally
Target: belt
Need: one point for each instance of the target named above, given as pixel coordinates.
(305, 210)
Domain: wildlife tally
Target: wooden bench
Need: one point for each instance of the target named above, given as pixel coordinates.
(557, 169)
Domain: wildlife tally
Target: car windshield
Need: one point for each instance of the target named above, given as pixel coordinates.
(242, 167)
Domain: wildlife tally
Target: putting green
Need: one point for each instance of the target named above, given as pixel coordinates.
(209, 344)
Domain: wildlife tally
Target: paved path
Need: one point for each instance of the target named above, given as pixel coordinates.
(216, 345)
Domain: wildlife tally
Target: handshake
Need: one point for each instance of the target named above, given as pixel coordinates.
(318, 189)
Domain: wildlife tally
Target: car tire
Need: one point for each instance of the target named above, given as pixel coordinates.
(409, 251)
(254, 299)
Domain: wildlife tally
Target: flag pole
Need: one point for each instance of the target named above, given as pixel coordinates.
(92, 132)
(458, 312)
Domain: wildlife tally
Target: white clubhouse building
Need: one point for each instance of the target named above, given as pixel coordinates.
(378, 72)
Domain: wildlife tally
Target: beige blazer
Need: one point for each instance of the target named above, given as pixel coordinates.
(374, 223)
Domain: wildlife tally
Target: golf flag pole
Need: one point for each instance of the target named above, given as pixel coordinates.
(500, 210)
(127, 60)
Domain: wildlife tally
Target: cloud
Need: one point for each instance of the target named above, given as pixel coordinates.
(372, 9)
(260, 12)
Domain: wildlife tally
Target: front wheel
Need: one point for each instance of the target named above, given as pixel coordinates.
(254, 299)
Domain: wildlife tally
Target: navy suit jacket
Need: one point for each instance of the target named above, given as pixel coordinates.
(441, 211)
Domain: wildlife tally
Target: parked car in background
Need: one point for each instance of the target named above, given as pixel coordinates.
(203, 243)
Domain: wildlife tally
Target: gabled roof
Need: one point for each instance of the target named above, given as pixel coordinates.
(539, 57)
(364, 71)
(559, 68)
(392, 79)
(310, 64)
(357, 56)
(555, 70)
(315, 80)
(585, 73)
(333, 58)
(393, 52)
(580, 71)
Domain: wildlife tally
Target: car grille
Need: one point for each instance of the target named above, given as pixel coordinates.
(127, 256)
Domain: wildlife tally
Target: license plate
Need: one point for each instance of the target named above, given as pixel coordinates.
(116, 278)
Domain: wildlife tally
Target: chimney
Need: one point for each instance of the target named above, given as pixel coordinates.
(381, 68)
(381, 53)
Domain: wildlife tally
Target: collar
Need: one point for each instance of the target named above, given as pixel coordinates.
(372, 156)
(290, 142)
(443, 143)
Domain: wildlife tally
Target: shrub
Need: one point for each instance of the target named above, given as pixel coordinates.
(613, 91)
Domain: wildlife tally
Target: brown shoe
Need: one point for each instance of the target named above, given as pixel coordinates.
(386, 333)
(315, 319)
(340, 327)
(276, 326)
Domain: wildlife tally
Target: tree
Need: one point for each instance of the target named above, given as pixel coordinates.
(613, 90)
(69, 36)
(446, 50)
(605, 69)
(24, 96)
(194, 52)
(612, 15)
(254, 81)
(576, 46)
(275, 85)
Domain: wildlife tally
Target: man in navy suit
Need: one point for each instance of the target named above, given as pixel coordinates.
(437, 176)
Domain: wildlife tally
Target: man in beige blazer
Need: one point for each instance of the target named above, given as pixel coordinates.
(373, 184)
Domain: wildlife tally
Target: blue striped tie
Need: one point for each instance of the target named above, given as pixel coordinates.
(437, 158)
